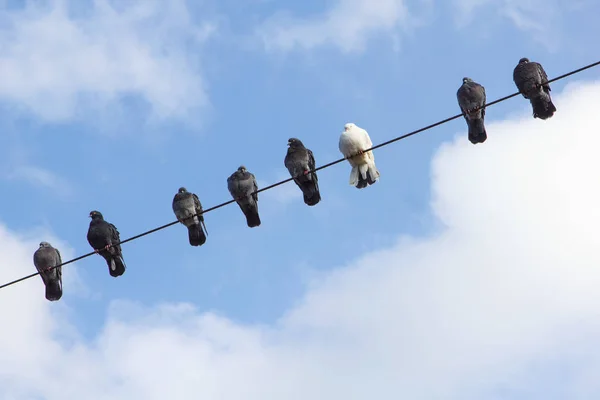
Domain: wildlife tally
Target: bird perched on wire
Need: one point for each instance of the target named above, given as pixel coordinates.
(353, 142)
(300, 161)
(471, 99)
(46, 258)
(532, 82)
(242, 187)
(105, 240)
(188, 211)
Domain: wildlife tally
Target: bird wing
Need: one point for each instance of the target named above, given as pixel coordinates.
(521, 75)
(480, 99)
(484, 100)
(115, 237)
(58, 269)
(312, 164)
(362, 136)
(460, 96)
(38, 267)
(198, 207)
(254, 188)
(366, 143)
(544, 76)
(114, 233)
(200, 214)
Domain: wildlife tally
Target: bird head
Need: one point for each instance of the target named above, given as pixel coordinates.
(96, 215)
(349, 126)
(182, 190)
(467, 79)
(523, 60)
(293, 142)
(241, 168)
(44, 244)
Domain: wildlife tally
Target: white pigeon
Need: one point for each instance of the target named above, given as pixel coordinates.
(353, 142)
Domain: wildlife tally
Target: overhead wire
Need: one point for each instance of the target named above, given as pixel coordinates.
(396, 139)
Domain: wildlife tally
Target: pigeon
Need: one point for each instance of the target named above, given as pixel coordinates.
(45, 259)
(471, 96)
(529, 77)
(300, 161)
(353, 142)
(188, 210)
(104, 239)
(242, 186)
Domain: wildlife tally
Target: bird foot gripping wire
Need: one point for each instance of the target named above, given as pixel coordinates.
(108, 246)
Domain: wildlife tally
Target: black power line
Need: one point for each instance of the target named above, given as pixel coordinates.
(500, 100)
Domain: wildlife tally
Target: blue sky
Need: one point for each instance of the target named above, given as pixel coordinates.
(113, 106)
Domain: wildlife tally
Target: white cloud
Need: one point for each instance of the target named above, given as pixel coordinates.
(60, 57)
(539, 17)
(512, 279)
(42, 178)
(347, 25)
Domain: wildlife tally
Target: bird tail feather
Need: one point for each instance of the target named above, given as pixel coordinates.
(116, 266)
(53, 290)
(477, 133)
(542, 105)
(251, 212)
(362, 170)
(354, 175)
(372, 172)
(368, 174)
(196, 235)
(204, 226)
(311, 193)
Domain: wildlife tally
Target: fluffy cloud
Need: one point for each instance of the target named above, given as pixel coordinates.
(347, 25)
(542, 18)
(42, 178)
(524, 14)
(509, 281)
(59, 57)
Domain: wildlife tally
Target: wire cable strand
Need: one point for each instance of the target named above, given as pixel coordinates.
(396, 139)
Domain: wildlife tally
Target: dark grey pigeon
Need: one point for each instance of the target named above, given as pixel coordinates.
(299, 161)
(104, 238)
(45, 259)
(188, 211)
(528, 76)
(242, 186)
(471, 96)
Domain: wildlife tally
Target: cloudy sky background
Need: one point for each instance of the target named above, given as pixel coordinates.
(467, 272)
